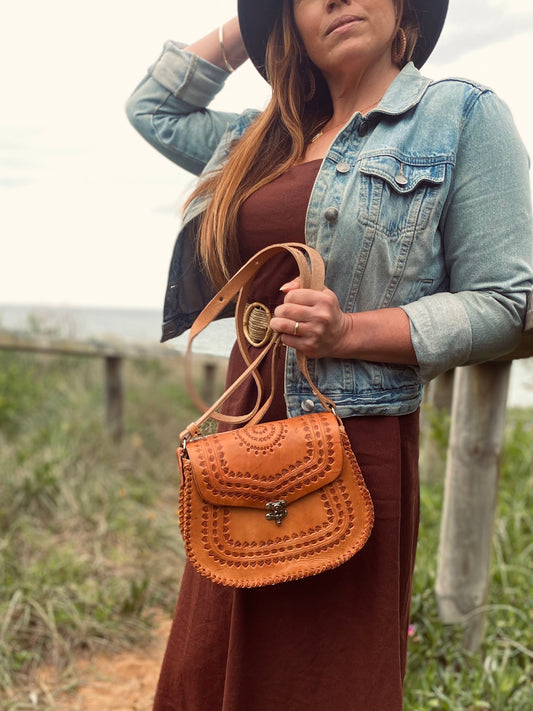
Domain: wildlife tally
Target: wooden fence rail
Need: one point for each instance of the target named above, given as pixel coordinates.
(113, 354)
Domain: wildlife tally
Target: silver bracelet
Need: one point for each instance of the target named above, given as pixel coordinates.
(223, 49)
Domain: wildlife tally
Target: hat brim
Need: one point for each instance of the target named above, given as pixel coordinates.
(431, 15)
(257, 18)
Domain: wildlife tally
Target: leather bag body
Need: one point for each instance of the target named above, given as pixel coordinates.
(275, 501)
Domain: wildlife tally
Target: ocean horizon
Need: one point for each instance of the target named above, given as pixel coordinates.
(134, 325)
(144, 326)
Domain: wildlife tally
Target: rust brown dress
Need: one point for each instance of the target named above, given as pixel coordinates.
(333, 642)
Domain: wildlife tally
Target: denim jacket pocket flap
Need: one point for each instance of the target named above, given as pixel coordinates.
(402, 175)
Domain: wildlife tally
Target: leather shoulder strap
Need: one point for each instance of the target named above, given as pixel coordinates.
(311, 272)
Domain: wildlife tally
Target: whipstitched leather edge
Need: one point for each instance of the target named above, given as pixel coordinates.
(185, 508)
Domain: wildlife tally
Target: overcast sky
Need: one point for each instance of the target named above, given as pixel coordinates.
(89, 211)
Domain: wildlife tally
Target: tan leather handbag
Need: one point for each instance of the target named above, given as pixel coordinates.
(274, 501)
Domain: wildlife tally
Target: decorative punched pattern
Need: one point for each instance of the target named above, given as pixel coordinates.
(236, 546)
(262, 440)
(271, 465)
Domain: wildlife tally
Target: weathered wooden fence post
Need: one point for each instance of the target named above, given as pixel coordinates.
(435, 416)
(113, 353)
(208, 389)
(471, 488)
(114, 396)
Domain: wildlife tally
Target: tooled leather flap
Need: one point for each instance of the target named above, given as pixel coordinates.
(255, 465)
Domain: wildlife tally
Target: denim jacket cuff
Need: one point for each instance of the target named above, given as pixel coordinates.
(439, 344)
(186, 76)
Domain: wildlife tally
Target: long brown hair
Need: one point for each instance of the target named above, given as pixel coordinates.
(275, 141)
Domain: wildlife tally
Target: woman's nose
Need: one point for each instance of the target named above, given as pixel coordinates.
(332, 4)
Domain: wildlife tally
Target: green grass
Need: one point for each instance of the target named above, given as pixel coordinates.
(441, 675)
(89, 543)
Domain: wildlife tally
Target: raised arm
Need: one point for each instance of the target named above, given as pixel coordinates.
(169, 107)
(222, 47)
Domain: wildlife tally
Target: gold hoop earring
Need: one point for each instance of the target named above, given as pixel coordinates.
(399, 46)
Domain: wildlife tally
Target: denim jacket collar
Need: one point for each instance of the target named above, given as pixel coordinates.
(404, 93)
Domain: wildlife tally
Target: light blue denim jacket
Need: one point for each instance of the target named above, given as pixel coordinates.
(424, 204)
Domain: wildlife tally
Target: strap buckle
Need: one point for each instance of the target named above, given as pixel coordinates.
(256, 324)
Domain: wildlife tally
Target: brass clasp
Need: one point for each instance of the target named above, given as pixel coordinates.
(276, 511)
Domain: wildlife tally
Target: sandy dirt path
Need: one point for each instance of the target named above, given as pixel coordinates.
(122, 682)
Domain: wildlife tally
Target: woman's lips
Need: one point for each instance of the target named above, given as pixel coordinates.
(341, 21)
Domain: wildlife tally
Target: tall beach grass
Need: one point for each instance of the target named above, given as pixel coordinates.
(90, 548)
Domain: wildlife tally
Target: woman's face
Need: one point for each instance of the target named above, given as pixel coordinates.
(338, 31)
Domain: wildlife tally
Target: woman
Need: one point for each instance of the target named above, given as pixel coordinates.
(416, 194)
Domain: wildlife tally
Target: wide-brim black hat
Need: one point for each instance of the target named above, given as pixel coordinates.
(257, 17)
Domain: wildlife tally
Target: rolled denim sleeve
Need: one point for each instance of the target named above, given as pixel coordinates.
(487, 236)
(169, 108)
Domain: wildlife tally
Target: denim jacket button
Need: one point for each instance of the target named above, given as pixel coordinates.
(343, 167)
(331, 214)
(401, 179)
(308, 406)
